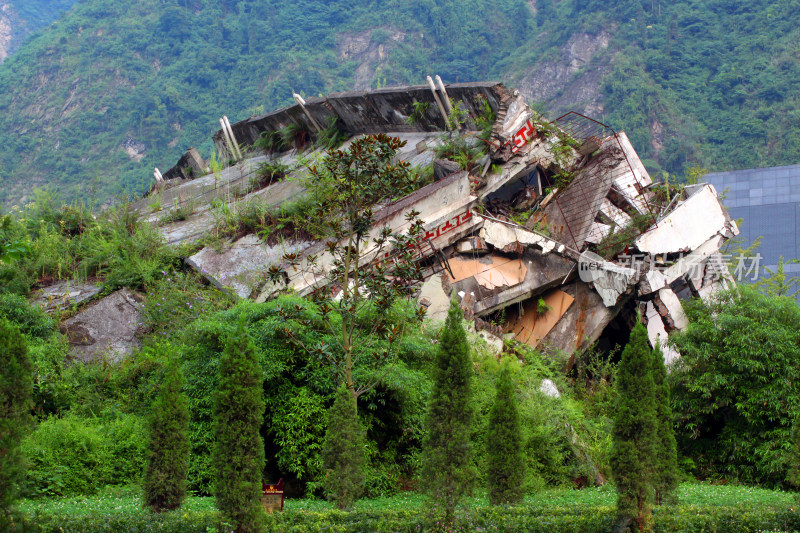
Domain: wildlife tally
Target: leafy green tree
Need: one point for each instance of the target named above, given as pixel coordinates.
(239, 451)
(16, 390)
(506, 470)
(343, 451)
(735, 379)
(168, 450)
(794, 467)
(635, 432)
(666, 458)
(777, 282)
(446, 472)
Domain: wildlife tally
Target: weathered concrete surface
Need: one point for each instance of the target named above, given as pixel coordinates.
(241, 268)
(435, 300)
(669, 307)
(530, 324)
(66, 294)
(377, 111)
(543, 273)
(510, 238)
(609, 280)
(693, 222)
(106, 329)
(584, 321)
(657, 334)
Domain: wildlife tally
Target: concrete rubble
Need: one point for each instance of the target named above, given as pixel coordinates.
(556, 234)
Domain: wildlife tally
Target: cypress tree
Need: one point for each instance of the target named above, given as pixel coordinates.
(446, 473)
(239, 451)
(343, 451)
(634, 436)
(506, 466)
(168, 449)
(666, 457)
(16, 391)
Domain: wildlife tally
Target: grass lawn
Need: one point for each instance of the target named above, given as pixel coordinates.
(700, 507)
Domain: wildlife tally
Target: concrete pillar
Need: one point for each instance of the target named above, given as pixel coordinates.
(302, 104)
(438, 102)
(233, 137)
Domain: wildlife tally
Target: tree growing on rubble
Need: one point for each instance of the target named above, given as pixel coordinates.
(635, 434)
(446, 471)
(365, 270)
(506, 470)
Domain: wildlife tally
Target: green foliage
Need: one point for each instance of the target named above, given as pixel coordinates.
(506, 468)
(239, 447)
(735, 380)
(635, 431)
(446, 474)
(666, 455)
(75, 455)
(16, 389)
(343, 451)
(168, 448)
(721, 509)
(794, 467)
(777, 282)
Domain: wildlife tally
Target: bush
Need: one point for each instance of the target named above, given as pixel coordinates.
(506, 469)
(73, 455)
(736, 380)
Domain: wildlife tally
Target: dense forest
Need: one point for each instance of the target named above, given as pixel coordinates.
(96, 100)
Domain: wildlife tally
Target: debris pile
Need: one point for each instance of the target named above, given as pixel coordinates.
(552, 234)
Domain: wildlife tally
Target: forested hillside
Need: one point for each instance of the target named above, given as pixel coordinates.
(114, 89)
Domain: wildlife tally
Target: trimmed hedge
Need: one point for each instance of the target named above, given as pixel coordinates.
(684, 518)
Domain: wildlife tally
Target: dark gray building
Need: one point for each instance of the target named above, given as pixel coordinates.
(768, 202)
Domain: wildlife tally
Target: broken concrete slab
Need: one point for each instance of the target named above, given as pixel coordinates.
(584, 321)
(543, 273)
(107, 329)
(531, 321)
(692, 222)
(511, 238)
(65, 294)
(609, 280)
(241, 267)
(435, 300)
(443, 168)
(490, 272)
(657, 334)
(493, 342)
(669, 307)
(472, 246)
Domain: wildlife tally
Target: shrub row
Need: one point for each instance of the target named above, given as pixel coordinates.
(684, 518)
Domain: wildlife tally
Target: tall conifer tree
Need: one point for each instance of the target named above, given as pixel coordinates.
(506, 470)
(239, 451)
(343, 451)
(16, 390)
(168, 449)
(666, 458)
(634, 437)
(446, 472)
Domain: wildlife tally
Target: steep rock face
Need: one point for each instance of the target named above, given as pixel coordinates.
(571, 81)
(6, 29)
(370, 50)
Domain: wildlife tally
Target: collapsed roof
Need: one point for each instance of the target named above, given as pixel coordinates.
(554, 233)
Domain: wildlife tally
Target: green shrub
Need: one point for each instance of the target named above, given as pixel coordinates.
(239, 448)
(168, 447)
(74, 455)
(343, 451)
(506, 468)
(16, 389)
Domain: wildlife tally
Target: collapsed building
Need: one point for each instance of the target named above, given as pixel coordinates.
(556, 236)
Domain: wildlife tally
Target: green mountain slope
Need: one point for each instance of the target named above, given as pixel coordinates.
(114, 89)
